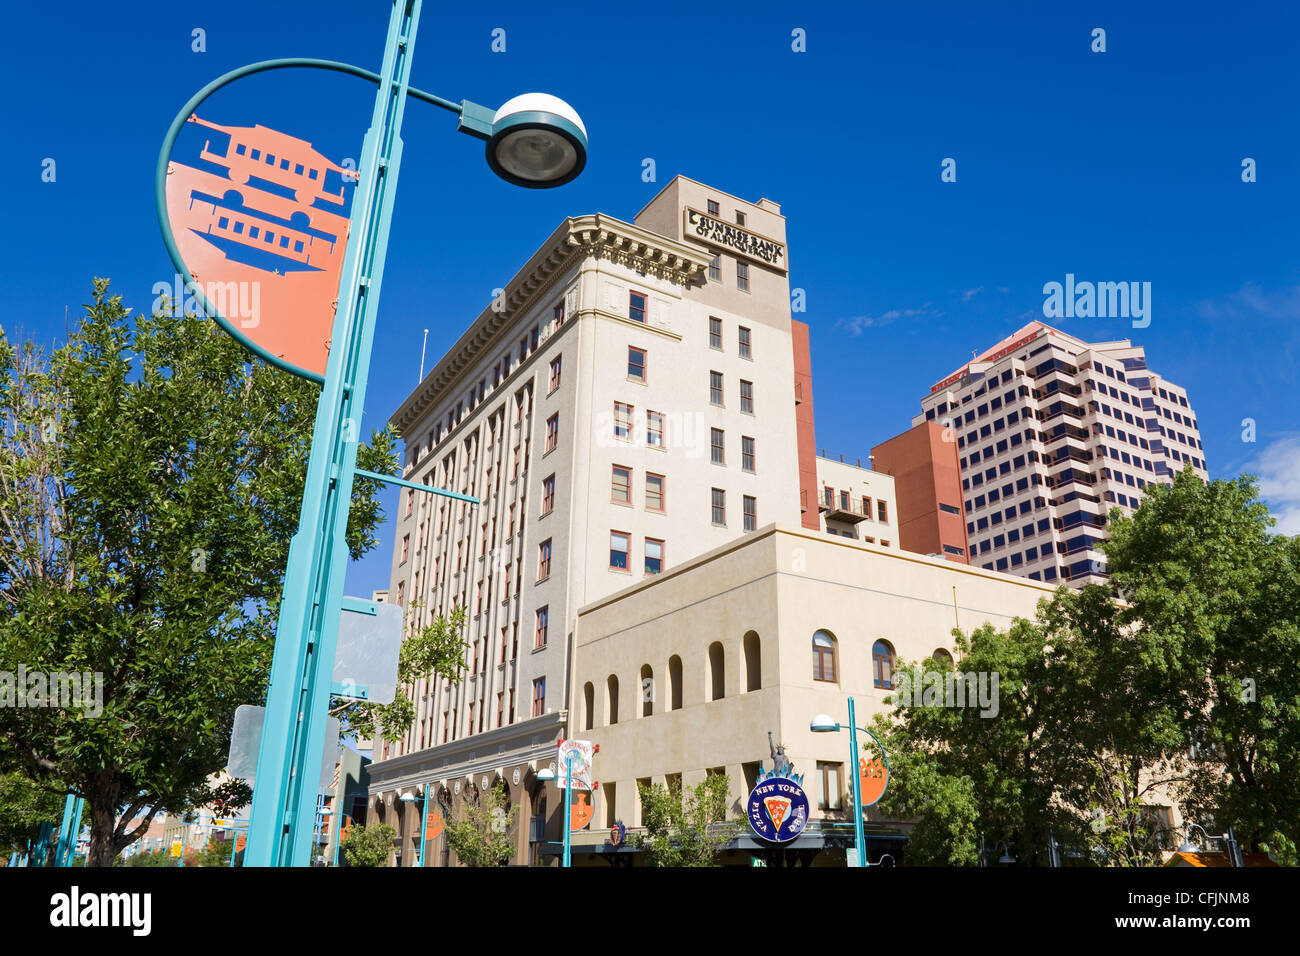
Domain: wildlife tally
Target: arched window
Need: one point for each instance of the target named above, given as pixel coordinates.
(882, 663)
(717, 672)
(823, 647)
(675, 682)
(647, 691)
(611, 699)
(943, 658)
(589, 705)
(753, 662)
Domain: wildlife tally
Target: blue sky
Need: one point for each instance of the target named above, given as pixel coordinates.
(1115, 166)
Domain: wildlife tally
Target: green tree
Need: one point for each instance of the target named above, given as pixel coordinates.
(152, 858)
(151, 475)
(216, 853)
(23, 808)
(485, 836)
(686, 827)
(972, 778)
(1214, 596)
(1065, 756)
(368, 846)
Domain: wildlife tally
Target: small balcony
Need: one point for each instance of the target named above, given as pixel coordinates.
(840, 508)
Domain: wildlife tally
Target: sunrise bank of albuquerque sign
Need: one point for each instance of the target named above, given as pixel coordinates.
(733, 237)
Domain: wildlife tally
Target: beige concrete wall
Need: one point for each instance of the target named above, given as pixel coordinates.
(782, 584)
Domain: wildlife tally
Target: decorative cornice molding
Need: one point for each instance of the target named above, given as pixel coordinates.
(595, 236)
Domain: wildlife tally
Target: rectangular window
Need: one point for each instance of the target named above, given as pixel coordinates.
(636, 364)
(636, 306)
(744, 343)
(620, 545)
(715, 268)
(716, 443)
(552, 431)
(406, 547)
(751, 512)
(654, 556)
(747, 396)
(829, 791)
(882, 510)
(621, 486)
(715, 388)
(555, 374)
(654, 492)
(539, 697)
(410, 501)
(539, 635)
(712, 204)
(544, 560)
(715, 333)
(719, 507)
(740, 218)
(622, 420)
(747, 460)
(654, 429)
(548, 495)
(742, 276)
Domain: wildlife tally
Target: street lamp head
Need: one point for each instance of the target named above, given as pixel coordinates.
(408, 797)
(538, 141)
(546, 774)
(823, 724)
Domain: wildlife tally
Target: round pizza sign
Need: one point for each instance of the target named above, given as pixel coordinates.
(778, 809)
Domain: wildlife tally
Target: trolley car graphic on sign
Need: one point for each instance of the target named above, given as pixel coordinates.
(257, 224)
(256, 151)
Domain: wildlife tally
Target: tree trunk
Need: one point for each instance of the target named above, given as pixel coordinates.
(102, 799)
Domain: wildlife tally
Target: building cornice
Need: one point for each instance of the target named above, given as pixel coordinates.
(593, 236)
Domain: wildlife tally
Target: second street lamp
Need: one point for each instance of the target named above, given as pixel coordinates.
(825, 724)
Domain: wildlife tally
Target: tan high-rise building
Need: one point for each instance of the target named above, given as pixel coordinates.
(1051, 433)
(626, 404)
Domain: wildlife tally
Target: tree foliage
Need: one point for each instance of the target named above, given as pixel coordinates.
(151, 475)
(1214, 597)
(368, 846)
(686, 827)
(485, 836)
(23, 808)
(1185, 690)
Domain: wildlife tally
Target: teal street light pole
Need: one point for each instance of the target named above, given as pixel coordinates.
(424, 825)
(548, 775)
(822, 724)
(532, 140)
(68, 830)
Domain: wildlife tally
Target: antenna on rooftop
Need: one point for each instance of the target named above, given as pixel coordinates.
(422, 348)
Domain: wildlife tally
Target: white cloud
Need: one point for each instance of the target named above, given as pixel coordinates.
(856, 324)
(971, 293)
(1278, 467)
(1252, 302)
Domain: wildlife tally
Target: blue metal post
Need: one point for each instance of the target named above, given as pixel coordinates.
(424, 826)
(76, 831)
(293, 736)
(568, 804)
(61, 851)
(860, 846)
